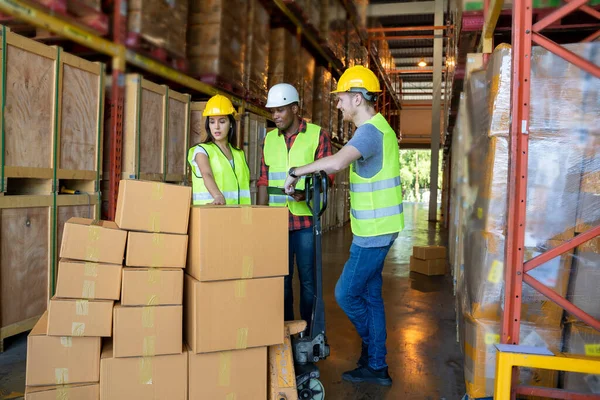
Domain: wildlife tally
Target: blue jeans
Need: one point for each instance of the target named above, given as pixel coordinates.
(302, 248)
(358, 292)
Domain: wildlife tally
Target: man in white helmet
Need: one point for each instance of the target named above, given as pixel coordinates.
(294, 142)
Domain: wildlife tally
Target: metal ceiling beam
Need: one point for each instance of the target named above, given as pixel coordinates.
(412, 8)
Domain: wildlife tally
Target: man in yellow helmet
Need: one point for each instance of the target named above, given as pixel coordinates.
(376, 216)
(295, 141)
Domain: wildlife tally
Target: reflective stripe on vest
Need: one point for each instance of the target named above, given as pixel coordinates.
(376, 203)
(233, 182)
(280, 160)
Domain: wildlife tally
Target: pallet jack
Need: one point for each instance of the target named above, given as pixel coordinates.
(293, 373)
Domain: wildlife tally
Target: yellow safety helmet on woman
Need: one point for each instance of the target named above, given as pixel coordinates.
(359, 79)
(218, 105)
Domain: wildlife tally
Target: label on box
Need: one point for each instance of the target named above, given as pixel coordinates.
(491, 338)
(592, 350)
(495, 274)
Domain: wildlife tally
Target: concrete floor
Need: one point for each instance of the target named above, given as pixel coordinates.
(424, 358)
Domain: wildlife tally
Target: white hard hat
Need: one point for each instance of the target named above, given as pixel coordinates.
(281, 95)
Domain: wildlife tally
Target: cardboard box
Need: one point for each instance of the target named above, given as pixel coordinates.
(233, 315)
(238, 374)
(428, 267)
(143, 378)
(429, 252)
(147, 331)
(237, 242)
(82, 391)
(91, 318)
(153, 207)
(84, 280)
(55, 360)
(481, 336)
(91, 240)
(156, 250)
(582, 340)
(152, 287)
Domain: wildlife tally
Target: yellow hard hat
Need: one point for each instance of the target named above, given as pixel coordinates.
(218, 105)
(358, 77)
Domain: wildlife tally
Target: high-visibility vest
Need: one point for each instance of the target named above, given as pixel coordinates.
(279, 161)
(376, 203)
(233, 181)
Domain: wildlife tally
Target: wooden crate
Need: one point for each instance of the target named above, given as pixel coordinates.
(197, 130)
(30, 234)
(156, 130)
(52, 118)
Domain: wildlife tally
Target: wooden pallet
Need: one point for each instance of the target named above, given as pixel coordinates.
(155, 137)
(135, 41)
(31, 228)
(53, 118)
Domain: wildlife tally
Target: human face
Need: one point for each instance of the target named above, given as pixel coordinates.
(347, 103)
(284, 116)
(219, 127)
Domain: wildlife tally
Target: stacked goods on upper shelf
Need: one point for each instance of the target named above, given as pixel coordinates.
(257, 56)
(233, 296)
(322, 99)
(284, 58)
(561, 172)
(64, 346)
(158, 23)
(147, 344)
(217, 42)
(307, 84)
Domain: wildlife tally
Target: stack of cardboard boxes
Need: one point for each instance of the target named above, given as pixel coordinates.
(233, 298)
(146, 358)
(428, 260)
(64, 346)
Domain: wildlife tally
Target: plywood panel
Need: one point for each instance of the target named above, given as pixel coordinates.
(24, 236)
(79, 124)
(29, 109)
(197, 131)
(151, 128)
(176, 137)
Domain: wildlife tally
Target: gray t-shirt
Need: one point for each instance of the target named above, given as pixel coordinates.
(368, 140)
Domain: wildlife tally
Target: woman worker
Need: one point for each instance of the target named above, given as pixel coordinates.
(220, 174)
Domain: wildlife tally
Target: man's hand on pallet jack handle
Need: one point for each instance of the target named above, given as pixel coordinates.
(331, 165)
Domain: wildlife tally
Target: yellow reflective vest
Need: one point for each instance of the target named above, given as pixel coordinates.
(376, 203)
(279, 161)
(233, 181)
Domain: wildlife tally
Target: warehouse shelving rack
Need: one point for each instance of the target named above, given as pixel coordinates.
(524, 35)
(122, 56)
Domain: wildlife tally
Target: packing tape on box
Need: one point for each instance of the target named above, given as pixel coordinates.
(66, 341)
(158, 240)
(149, 347)
(62, 393)
(158, 190)
(242, 339)
(155, 221)
(92, 252)
(61, 376)
(152, 300)
(90, 270)
(240, 289)
(89, 290)
(78, 328)
(231, 396)
(82, 307)
(247, 267)
(246, 215)
(148, 317)
(146, 371)
(225, 368)
(154, 276)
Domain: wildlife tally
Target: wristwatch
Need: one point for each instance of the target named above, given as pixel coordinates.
(292, 172)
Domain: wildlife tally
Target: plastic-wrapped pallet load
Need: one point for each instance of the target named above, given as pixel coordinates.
(322, 99)
(563, 133)
(307, 84)
(217, 41)
(257, 57)
(161, 23)
(581, 340)
(284, 58)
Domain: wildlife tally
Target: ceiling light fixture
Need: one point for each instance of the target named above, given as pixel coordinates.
(422, 63)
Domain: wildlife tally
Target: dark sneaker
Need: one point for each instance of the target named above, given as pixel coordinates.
(368, 375)
(363, 361)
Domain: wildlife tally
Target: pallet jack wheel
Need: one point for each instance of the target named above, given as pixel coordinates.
(312, 389)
